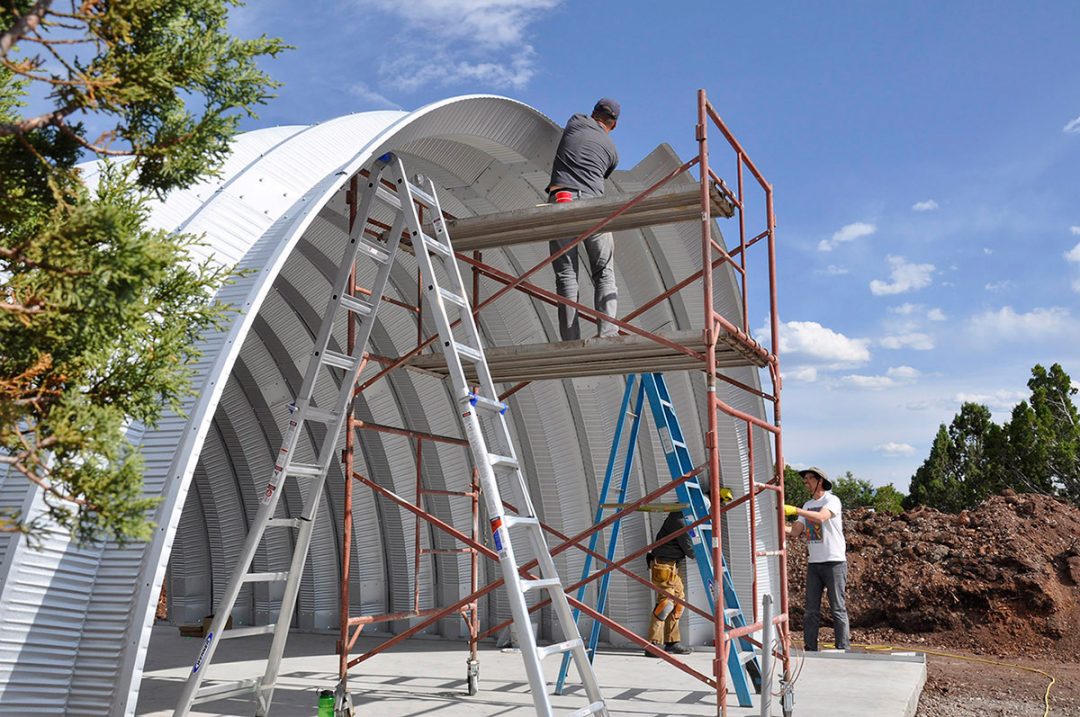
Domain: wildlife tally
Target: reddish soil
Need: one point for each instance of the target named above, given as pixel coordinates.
(999, 582)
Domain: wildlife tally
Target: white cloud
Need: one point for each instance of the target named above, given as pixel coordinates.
(849, 232)
(905, 309)
(834, 270)
(1075, 231)
(905, 277)
(903, 373)
(1074, 253)
(1000, 400)
(870, 383)
(1076, 285)
(373, 98)
(472, 42)
(908, 309)
(987, 250)
(1073, 126)
(916, 341)
(802, 373)
(999, 285)
(894, 376)
(928, 206)
(1007, 325)
(895, 449)
(810, 340)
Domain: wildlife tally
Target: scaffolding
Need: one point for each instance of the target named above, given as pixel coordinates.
(723, 343)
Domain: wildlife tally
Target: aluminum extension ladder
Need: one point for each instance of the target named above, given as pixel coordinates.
(742, 662)
(466, 346)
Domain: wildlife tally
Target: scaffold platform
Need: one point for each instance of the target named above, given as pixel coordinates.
(606, 356)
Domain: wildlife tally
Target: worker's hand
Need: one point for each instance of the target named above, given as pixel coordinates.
(725, 495)
(791, 511)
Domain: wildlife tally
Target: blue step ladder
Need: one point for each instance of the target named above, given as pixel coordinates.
(742, 662)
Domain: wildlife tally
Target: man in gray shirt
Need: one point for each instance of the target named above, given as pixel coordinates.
(585, 158)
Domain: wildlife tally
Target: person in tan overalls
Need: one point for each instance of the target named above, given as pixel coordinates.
(664, 563)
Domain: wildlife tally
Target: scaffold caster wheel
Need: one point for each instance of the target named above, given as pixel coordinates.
(343, 706)
(473, 675)
(787, 698)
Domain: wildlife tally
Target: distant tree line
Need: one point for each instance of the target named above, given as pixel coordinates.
(1036, 451)
(853, 492)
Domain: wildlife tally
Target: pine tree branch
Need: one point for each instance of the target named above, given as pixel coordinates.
(23, 25)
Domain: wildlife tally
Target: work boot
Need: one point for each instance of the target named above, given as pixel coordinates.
(677, 648)
(649, 654)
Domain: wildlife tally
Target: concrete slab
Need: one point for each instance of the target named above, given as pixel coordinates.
(426, 677)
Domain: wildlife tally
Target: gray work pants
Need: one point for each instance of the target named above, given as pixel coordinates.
(831, 576)
(600, 249)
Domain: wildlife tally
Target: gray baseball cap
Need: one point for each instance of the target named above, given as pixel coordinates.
(820, 473)
(607, 106)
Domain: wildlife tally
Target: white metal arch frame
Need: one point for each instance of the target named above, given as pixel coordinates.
(76, 622)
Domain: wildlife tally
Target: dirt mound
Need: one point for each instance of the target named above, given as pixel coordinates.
(1002, 579)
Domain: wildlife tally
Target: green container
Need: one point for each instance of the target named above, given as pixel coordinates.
(326, 703)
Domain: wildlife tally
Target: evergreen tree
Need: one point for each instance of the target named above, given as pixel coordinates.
(1048, 444)
(934, 483)
(853, 492)
(887, 499)
(98, 313)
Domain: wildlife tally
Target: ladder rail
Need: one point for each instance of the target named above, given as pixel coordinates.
(693, 495)
(271, 494)
(741, 659)
(628, 461)
(326, 452)
(484, 401)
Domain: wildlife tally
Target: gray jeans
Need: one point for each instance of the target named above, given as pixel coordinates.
(600, 249)
(831, 576)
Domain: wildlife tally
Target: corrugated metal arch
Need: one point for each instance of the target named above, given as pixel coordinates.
(276, 210)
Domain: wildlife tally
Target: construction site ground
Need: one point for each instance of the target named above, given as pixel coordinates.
(426, 677)
(983, 593)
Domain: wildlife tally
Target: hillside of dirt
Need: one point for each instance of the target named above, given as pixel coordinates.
(1000, 580)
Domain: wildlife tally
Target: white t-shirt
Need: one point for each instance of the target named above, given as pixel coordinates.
(825, 540)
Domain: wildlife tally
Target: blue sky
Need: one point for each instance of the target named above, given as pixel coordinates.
(925, 159)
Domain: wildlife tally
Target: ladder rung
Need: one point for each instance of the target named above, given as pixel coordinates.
(387, 196)
(373, 250)
(453, 298)
(340, 360)
(283, 523)
(227, 690)
(593, 709)
(467, 351)
(266, 577)
(420, 194)
(527, 585)
(565, 646)
(437, 246)
(509, 521)
(498, 461)
(360, 307)
(488, 404)
(678, 444)
(732, 612)
(320, 415)
(247, 632)
(309, 470)
(747, 656)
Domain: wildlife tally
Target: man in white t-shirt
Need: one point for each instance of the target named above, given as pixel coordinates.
(826, 570)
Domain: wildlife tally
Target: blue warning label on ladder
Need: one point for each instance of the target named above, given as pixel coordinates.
(496, 534)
